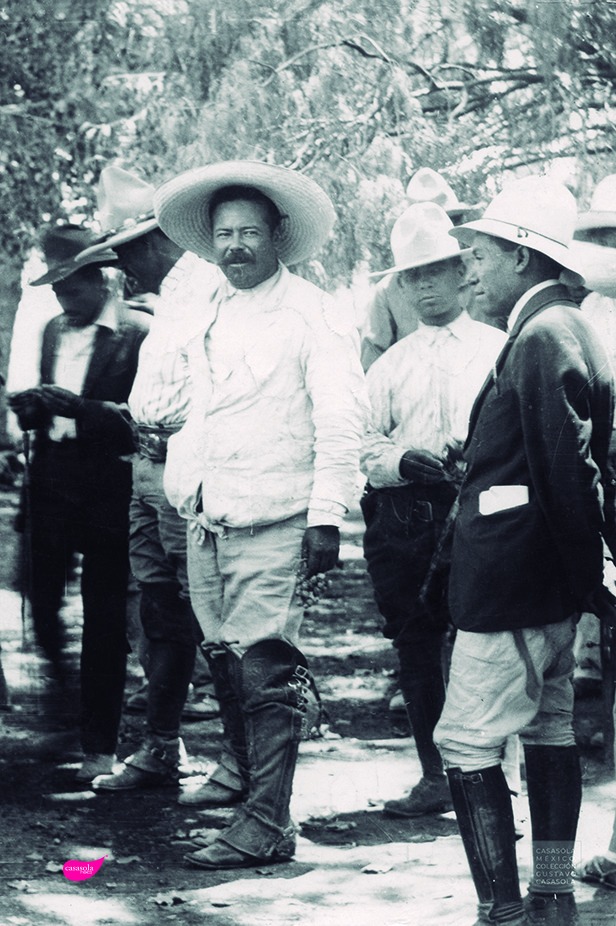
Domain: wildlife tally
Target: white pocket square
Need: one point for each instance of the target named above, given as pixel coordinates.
(500, 498)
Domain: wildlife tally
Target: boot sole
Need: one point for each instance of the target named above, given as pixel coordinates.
(403, 815)
(248, 863)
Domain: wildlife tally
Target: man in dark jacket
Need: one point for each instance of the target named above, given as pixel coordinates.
(80, 482)
(527, 553)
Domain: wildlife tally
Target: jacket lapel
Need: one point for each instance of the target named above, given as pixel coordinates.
(551, 295)
(104, 345)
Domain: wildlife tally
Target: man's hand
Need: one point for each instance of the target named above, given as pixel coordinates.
(320, 548)
(60, 401)
(422, 467)
(27, 405)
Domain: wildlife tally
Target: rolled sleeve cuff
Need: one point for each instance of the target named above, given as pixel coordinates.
(321, 513)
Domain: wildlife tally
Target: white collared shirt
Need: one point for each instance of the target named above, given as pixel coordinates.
(278, 412)
(161, 392)
(73, 354)
(422, 390)
(515, 312)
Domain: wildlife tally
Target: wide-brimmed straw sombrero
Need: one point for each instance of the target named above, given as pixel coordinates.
(181, 206)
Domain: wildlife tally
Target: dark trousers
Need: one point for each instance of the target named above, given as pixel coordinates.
(403, 528)
(71, 511)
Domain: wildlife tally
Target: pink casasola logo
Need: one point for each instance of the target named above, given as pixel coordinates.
(75, 870)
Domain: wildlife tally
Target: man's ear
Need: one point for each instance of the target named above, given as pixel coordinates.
(279, 231)
(522, 258)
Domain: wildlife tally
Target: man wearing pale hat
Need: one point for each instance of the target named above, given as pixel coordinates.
(264, 471)
(80, 481)
(171, 284)
(527, 553)
(421, 392)
(391, 314)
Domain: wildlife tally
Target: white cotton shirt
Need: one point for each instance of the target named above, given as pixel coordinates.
(161, 393)
(278, 412)
(422, 390)
(73, 355)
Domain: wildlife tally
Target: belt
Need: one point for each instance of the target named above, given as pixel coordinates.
(152, 442)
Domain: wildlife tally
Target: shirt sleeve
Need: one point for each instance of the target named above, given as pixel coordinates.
(336, 387)
(380, 455)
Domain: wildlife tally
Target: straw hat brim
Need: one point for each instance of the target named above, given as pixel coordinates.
(116, 237)
(181, 206)
(63, 270)
(519, 235)
(589, 220)
(419, 263)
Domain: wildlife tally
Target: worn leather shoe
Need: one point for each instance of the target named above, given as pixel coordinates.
(94, 764)
(130, 778)
(430, 795)
(551, 909)
(220, 855)
(211, 794)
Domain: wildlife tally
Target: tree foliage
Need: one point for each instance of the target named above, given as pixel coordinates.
(355, 95)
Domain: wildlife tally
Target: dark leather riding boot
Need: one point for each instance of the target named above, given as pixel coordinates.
(272, 679)
(554, 783)
(482, 803)
(232, 770)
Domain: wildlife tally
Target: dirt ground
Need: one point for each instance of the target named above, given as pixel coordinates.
(353, 864)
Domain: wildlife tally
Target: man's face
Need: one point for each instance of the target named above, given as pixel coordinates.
(434, 290)
(82, 296)
(138, 264)
(492, 273)
(244, 244)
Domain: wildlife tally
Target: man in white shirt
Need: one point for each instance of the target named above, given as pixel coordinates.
(263, 470)
(421, 392)
(80, 481)
(391, 313)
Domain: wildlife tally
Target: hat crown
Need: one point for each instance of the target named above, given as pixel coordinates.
(61, 243)
(122, 198)
(427, 185)
(538, 205)
(604, 195)
(421, 236)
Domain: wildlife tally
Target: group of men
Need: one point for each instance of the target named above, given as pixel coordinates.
(251, 415)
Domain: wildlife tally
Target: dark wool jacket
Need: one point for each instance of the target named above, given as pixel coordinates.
(527, 546)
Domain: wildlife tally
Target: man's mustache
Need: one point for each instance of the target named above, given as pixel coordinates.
(237, 257)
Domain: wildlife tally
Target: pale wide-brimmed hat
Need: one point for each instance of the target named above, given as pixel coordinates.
(62, 245)
(534, 211)
(597, 264)
(427, 185)
(125, 208)
(182, 206)
(421, 236)
(602, 212)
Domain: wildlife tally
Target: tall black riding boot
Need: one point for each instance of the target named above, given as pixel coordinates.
(482, 804)
(273, 680)
(554, 784)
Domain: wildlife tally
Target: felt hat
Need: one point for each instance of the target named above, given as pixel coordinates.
(533, 211)
(182, 206)
(420, 236)
(602, 212)
(427, 185)
(125, 208)
(63, 247)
